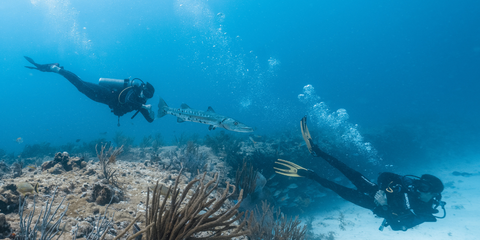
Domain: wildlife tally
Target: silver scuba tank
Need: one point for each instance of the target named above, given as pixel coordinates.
(117, 84)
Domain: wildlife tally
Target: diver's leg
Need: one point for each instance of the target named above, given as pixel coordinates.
(360, 181)
(93, 91)
(355, 196)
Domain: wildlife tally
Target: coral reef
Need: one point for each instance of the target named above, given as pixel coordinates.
(17, 167)
(270, 224)
(245, 178)
(5, 229)
(8, 198)
(102, 193)
(227, 147)
(3, 168)
(108, 157)
(199, 214)
(49, 224)
(62, 162)
(191, 158)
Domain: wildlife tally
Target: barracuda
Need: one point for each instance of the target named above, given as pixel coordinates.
(209, 117)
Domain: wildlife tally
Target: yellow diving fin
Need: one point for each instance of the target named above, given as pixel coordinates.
(306, 135)
(292, 168)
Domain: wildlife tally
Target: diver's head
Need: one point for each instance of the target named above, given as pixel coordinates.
(148, 90)
(145, 91)
(429, 187)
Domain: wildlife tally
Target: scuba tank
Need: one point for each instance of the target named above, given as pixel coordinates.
(119, 84)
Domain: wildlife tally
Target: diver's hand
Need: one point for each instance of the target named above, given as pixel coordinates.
(381, 198)
(52, 67)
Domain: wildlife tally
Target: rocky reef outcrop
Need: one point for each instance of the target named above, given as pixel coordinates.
(5, 229)
(102, 193)
(62, 162)
(8, 199)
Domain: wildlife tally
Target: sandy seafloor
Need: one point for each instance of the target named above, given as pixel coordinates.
(462, 195)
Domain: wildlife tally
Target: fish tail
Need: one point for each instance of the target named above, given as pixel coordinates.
(36, 187)
(162, 106)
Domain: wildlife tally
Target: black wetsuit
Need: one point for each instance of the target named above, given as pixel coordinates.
(404, 209)
(120, 102)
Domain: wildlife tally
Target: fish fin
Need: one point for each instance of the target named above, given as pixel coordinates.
(210, 109)
(184, 106)
(161, 108)
(211, 127)
(179, 120)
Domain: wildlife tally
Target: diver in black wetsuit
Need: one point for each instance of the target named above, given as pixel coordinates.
(403, 201)
(121, 95)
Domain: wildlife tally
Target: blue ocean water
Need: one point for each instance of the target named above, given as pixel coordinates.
(381, 63)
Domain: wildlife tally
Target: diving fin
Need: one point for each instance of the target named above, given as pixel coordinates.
(292, 168)
(306, 135)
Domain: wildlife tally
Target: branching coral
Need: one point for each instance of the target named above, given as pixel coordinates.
(105, 158)
(192, 159)
(226, 145)
(246, 178)
(45, 223)
(271, 224)
(187, 218)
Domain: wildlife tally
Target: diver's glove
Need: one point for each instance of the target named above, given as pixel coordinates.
(380, 198)
(52, 67)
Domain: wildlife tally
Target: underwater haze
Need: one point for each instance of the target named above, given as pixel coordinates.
(353, 67)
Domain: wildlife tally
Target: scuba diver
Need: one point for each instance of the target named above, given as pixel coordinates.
(403, 201)
(121, 95)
